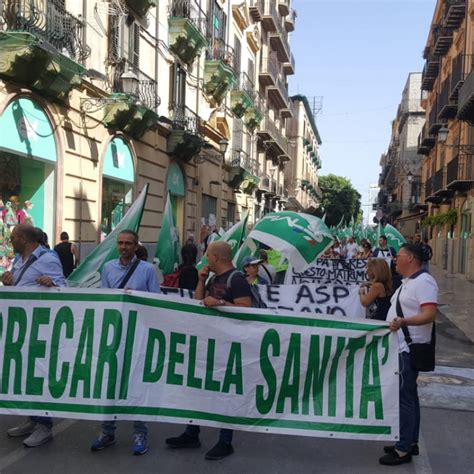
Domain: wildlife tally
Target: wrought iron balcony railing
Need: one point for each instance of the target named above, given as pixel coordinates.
(50, 21)
(218, 50)
(244, 83)
(240, 159)
(192, 11)
(147, 89)
(185, 119)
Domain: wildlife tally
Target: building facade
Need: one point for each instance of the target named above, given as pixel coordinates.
(302, 174)
(447, 138)
(400, 179)
(100, 97)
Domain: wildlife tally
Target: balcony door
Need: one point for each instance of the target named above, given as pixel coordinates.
(464, 239)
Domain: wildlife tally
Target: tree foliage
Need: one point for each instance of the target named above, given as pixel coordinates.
(339, 199)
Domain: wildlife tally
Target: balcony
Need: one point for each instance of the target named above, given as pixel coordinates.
(284, 7)
(279, 42)
(290, 21)
(435, 122)
(278, 93)
(219, 75)
(256, 9)
(253, 115)
(447, 108)
(466, 100)
(273, 187)
(439, 189)
(141, 7)
(394, 209)
(43, 48)
(430, 73)
(275, 143)
(184, 141)
(460, 173)
(242, 97)
(243, 172)
(126, 113)
(187, 30)
(443, 40)
(270, 17)
(454, 14)
(425, 141)
(269, 70)
(428, 188)
(289, 67)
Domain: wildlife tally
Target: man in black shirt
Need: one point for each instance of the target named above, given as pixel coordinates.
(226, 288)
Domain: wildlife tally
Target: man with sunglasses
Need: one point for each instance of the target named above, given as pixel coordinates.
(413, 306)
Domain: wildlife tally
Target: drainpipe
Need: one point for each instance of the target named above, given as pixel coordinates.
(157, 54)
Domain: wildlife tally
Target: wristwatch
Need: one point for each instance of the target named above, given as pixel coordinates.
(222, 302)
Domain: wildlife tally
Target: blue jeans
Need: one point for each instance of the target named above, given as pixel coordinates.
(109, 427)
(409, 405)
(225, 434)
(43, 420)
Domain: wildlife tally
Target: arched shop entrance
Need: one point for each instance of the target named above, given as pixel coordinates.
(28, 158)
(118, 177)
(176, 187)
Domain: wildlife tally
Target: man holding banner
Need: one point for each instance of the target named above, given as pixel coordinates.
(228, 287)
(412, 315)
(129, 273)
(34, 267)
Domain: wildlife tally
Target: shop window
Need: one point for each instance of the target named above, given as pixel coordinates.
(116, 199)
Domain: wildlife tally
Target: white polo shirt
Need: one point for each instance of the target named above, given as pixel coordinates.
(416, 292)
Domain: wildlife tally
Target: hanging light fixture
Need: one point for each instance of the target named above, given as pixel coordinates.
(130, 83)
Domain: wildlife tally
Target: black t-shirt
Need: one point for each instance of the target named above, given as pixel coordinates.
(239, 287)
(188, 278)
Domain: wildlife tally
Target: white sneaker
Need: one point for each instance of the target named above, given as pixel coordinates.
(40, 435)
(26, 428)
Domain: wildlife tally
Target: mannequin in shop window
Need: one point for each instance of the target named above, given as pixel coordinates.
(27, 206)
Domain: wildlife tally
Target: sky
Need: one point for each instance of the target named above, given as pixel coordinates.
(357, 55)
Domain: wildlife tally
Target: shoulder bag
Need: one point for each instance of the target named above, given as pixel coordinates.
(422, 355)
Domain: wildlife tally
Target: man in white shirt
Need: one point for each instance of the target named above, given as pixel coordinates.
(418, 298)
(351, 248)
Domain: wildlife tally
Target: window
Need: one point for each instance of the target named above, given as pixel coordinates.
(134, 45)
(230, 214)
(209, 208)
(237, 59)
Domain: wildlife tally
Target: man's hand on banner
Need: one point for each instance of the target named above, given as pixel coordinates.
(210, 301)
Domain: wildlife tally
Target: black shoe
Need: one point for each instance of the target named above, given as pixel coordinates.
(394, 459)
(414, 449)
(219, 451)
(183, 441)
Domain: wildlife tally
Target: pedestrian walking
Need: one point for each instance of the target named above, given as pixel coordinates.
(218, 292)
(68, 254)
(34, 267)
(129, 273)
(411, 315)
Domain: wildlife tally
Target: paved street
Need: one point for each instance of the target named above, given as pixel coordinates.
(446, 444)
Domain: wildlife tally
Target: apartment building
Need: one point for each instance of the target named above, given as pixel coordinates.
(400, 178)
(99, 97)
(447, 139)
(302, 175)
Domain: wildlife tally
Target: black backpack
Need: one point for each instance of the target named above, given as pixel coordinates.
(257, 301)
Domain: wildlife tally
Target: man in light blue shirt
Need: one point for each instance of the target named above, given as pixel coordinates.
(129, 273)
(34, 267)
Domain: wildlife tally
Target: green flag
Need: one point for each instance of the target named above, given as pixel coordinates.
(167, 247)
(234, 237)
(88, 273)
(301, 238)
(394, 238)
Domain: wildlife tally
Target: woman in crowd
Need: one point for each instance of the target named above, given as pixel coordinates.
(188, 274)
(250, 266)
(366, 251)
(376, 293)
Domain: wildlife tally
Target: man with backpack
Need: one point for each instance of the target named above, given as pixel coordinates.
(228, 287)
(128, 273)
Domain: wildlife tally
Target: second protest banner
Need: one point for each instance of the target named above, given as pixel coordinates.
(110, 354)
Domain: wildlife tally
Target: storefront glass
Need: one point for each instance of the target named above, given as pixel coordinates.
(176, 187)
(27, 166)
(117, 184)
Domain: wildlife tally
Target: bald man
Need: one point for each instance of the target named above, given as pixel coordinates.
(228, 287)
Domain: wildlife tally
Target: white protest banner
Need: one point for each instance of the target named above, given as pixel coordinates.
(322, 299)
(352, 270)
(111, 354)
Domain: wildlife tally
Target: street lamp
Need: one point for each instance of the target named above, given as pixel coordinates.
(130, 83)
(223, 145)
(409, 177)
(443, 133)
